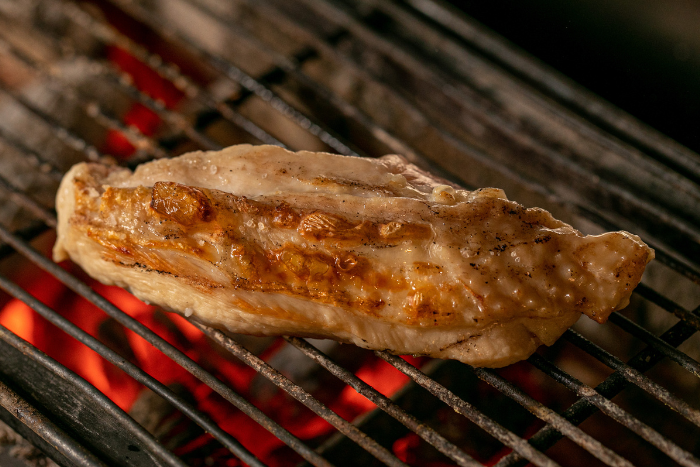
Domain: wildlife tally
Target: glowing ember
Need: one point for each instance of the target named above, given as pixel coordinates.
(123, 390)
(139, 116)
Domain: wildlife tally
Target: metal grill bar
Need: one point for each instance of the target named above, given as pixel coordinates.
(34, 157)
(21, 199)
(118, 79)
(166, 348)
(656, 298)
(518, 444)
(393, 142)
(535, 73)
(132, 370)
(75, 142)
(555, 420)
(384, 403)
(410, 22)
(634, 376)
(291, 68)
(45, 430)
(173, 118)
(662, 347)
(65, 135)
(589, 394)
(27, 233)
(142, 142)
(109, 36)
(99, 405)
(613, 385)
(302, 396)
(238, 76)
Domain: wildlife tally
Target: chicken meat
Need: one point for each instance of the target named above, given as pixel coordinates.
(375, 252)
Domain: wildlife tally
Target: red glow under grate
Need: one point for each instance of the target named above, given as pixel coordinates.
(139, 116)
(19, 318)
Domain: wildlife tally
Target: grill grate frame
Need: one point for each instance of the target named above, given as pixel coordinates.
(590, 399)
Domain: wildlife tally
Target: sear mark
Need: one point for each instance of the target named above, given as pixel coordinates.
(183, 204)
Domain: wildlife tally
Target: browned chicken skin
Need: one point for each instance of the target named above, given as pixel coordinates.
(264, 241)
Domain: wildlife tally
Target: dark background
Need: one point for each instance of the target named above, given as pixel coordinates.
(641, 55)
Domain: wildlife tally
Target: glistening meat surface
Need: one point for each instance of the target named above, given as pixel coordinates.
(260, 240)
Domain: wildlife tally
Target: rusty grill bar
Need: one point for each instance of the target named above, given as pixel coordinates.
(345, 124)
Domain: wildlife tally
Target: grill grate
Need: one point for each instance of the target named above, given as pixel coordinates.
(355, 127)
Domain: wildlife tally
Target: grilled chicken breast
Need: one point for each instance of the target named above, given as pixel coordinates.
(260, 240)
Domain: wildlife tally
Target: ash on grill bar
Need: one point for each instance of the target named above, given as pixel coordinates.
(90, 376)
